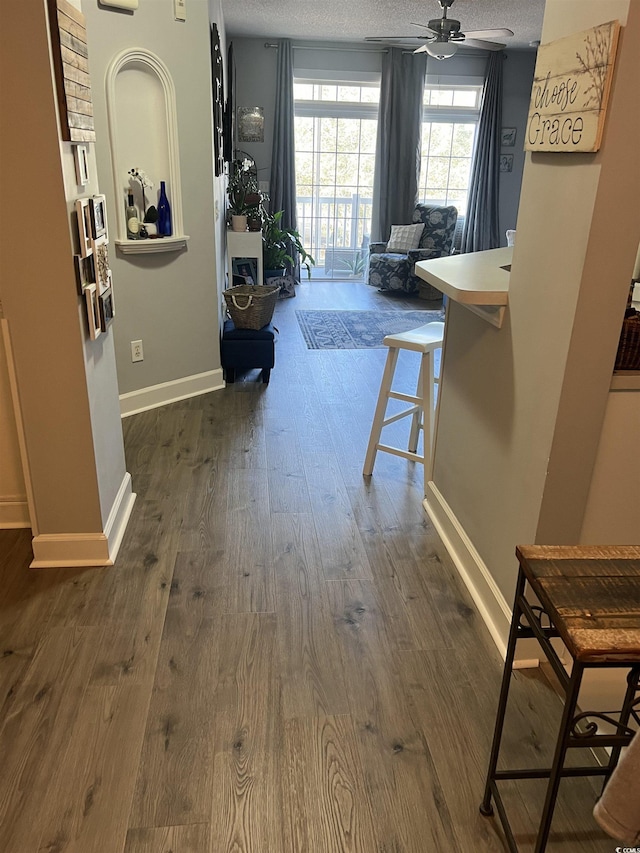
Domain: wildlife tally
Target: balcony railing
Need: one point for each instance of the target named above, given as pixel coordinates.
(336, 232)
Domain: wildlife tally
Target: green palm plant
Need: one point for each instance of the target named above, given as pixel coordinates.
(355, 265)
(280, 244)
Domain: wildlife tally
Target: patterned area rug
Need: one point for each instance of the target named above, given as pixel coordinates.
(358, 329)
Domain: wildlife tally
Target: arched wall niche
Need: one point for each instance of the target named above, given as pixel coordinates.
(143, 133)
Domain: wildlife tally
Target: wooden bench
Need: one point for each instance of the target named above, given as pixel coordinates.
(590, 598)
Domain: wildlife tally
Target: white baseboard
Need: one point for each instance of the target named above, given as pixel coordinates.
(119, 516)
(57, 550)
(134, 402)
(14, 512)
(491, 604)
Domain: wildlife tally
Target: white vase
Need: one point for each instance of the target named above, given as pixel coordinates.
(238, 222)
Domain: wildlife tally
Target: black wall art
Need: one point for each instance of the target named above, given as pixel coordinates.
(229, 108)
(217, 84)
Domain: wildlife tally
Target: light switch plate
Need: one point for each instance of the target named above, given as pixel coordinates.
(180, 10)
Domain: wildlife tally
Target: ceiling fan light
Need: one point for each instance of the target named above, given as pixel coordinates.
(441, 49)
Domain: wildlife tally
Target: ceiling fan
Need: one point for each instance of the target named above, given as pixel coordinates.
(444, 36)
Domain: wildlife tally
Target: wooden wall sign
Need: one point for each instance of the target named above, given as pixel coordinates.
(570, 92)
(71, 64)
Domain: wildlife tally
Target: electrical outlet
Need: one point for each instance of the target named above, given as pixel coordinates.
(136, 351)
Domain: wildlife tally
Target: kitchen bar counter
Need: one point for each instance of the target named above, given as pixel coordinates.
(476, 280)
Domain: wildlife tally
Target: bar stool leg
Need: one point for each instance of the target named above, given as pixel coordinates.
(485, 806)
(558, 759)
(417, 419)
(428, 401)
(381, 408)
(428, 414)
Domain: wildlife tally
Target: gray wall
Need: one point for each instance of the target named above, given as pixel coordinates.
(170, 301)
(255, 67)
(516, 90)
(256, 70)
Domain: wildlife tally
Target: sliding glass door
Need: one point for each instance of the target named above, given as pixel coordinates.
(335, 133)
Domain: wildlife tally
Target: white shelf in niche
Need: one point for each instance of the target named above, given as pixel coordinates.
(148, 247)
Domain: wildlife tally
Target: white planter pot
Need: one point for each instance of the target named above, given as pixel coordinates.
(238, 223)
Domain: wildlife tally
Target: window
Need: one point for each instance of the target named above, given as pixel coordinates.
(449, 122)
(335, 139)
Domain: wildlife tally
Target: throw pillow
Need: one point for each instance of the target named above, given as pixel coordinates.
(404, 238)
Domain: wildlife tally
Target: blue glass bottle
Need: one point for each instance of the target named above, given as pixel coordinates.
(164, 213)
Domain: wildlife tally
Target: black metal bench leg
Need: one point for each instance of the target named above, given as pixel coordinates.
(485, 806)
(562, 745)
(266, 373)
(633, 687)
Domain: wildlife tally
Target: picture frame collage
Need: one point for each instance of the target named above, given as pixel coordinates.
(93, 273)
(507, 140)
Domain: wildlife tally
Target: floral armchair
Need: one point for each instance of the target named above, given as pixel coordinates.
(395, 271)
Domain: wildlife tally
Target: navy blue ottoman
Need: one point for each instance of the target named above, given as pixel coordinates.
(243, 349)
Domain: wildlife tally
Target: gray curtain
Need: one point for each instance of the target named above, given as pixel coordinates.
(282, 189)
(395, 185)
(481, 225)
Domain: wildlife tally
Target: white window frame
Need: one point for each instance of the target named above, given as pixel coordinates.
(334, 109)
(451, 114)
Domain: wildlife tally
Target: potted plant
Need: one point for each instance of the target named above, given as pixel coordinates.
(355, 265)
(244, 194)
(280, 245)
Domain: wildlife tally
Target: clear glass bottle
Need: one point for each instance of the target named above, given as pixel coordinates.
(164, 213)
(132, 219)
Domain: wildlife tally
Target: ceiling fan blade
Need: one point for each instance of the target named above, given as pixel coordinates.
(485, 45)
(422, 49)
(424, 27)
(502, 33)
(398, 38)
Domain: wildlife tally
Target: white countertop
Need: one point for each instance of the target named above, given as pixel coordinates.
(475, 278)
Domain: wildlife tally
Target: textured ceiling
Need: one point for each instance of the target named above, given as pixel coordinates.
(337, 20)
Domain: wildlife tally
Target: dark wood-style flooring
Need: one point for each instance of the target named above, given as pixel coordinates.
(283, 659)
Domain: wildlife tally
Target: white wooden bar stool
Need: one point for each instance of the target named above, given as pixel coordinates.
(424, 340)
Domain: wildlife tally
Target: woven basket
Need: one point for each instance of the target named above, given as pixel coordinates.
(628, 355)
(251, 306)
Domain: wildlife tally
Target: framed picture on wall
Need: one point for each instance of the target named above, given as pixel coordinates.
(83, 219)
(98, 210)
(93, 311)
(101, 263)
(107, 311)
(85, 272)
(81, 159)
(506, 162)
(250, 124)
(508, 137)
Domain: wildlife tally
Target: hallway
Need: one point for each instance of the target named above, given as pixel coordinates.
(283, 659)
